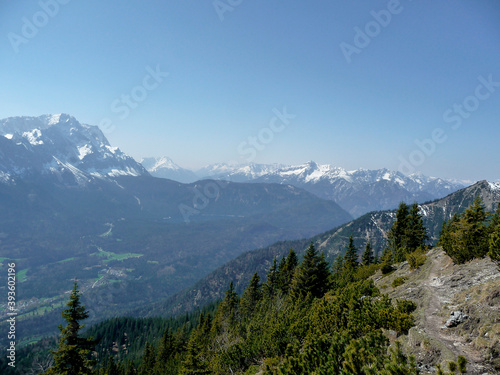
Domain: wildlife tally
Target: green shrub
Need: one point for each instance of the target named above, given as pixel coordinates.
(406, 306)
(364, 272)
(386, 268)
(398, 281)
(416, 258)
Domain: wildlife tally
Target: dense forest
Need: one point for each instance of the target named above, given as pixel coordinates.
(307, 317)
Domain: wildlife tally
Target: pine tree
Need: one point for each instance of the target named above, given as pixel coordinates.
(251, 296)
(286, 270)
(494, 240)
(397, 234)
(71, 358)
(312, 276)
(495, 219)
(386, 261)
(130, 369)
(367, 258)
(416, 234)
(165, 359)
(494, 249)
(227, 313)
(351, 255)
(466, 236)
(196, 359)
(270, 287)
(148, 360)
(112, 368)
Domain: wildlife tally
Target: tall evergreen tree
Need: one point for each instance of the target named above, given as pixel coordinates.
(351, 255)
(312, 276)
(415, 232)
(251, 296)
(196, 359)
(270, 287)
(367, 258)
(227, 313)
(72, 356)
(466, 236)
(495, 219)
(148, 360)
(112, 368)
(165, 359)
(286, 270)
(397, 234)
(494, 243)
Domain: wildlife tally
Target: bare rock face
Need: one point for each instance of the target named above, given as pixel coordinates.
(456, 318)
(458, 312)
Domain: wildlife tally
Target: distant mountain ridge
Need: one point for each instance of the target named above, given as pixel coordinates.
(372, 227)
(357, 191)
(164, 167)
(59, 146)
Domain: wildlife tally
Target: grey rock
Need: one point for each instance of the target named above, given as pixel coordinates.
(456, 317)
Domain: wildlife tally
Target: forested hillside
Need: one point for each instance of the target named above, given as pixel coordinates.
(373, 227)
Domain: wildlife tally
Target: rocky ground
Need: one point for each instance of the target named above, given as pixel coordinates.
(458, 311)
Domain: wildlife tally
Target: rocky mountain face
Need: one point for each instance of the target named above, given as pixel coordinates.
(59, 147)
(358, 191)
(372, 227)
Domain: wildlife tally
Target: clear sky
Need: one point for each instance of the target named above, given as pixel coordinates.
(357, 84)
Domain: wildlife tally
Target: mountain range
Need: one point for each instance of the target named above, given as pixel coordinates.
(357, 191)
(72, 206)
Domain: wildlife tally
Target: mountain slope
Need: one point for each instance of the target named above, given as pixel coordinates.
(371, 227)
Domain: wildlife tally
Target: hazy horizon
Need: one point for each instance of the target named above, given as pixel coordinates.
(392, 84)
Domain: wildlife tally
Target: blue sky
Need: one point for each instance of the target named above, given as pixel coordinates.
(409, 85)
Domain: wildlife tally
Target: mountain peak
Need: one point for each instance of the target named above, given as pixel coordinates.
(59, 145)
(164, 167)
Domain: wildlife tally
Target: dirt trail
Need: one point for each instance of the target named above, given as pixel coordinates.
(440, 287)
(437, 295)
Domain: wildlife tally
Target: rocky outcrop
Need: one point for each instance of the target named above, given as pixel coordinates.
(456, 317)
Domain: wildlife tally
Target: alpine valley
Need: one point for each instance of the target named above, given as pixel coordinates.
(72, 206)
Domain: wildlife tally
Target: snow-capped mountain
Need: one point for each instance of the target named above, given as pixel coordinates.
(358, 191)
(60, 146)
(238, 173)
(164, 167)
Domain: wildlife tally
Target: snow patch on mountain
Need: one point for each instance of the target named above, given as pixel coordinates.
(84, 151)
(495, 186)
(5, 177)
(33, 137)
(54, 119)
